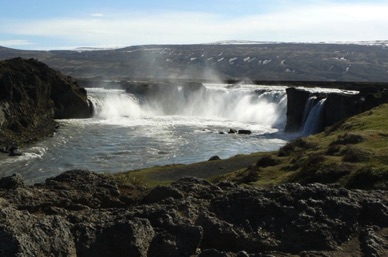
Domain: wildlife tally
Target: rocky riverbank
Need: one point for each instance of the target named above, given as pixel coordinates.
(32, 95)
(80, 213)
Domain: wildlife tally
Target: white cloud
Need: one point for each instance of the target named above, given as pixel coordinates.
(308, 23)
(97, 15)
(15, 42)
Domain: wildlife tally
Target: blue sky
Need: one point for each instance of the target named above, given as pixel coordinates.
(48, 24)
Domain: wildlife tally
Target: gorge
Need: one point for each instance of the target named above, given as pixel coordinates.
(139, 124)
(65, 210)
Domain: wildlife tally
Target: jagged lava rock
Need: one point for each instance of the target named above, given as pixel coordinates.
(81, 213)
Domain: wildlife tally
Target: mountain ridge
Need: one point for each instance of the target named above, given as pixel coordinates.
(366, 62)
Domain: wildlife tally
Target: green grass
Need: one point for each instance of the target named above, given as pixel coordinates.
(148, 177)
(353, 153)
(162, 175)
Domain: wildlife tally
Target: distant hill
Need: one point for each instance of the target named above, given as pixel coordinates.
(365, 61)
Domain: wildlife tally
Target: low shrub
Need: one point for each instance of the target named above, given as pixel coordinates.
(333, 150)
(315, 159)
(251, 175)
(267, 161)
(353, 154)
(332, 173)
(369, 177)
(322, 172)
(295, 145)
(308, 168)
(347, 139)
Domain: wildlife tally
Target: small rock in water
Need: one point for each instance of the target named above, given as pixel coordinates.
(244, 132)
(14, 150)
(232, 131)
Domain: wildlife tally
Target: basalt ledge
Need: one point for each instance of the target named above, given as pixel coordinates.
(337, 107)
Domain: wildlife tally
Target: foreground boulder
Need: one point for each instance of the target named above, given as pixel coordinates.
(80, 213)
(31, 96)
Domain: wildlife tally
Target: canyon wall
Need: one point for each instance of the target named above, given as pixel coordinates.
(32, 95)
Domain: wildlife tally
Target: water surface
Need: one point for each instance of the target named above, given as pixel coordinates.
(129, 132)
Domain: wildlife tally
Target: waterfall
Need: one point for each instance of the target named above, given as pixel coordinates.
(213, 101)
(311, 101)
(113, 103)
(313, 122)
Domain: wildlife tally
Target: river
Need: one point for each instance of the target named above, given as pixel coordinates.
(128, 132)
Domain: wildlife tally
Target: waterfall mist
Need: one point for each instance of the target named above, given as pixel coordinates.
(213, 101)
(114, 103)
(159, 125)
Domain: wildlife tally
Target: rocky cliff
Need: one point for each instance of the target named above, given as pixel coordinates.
(80, 213)
(337, 107)
(296, 101)
(31, 96)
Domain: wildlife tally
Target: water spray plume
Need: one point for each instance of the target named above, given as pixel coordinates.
(213, 101)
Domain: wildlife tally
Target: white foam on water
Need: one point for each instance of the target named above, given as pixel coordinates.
(28, 154)
(241, 104)
(129, 132)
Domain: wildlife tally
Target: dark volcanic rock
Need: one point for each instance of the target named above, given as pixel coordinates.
(232, 131)
(296, 101)
(80, 213)
(337, 107)
(24, 234)
(119, 238)
(31, 96)
(244, 132)
(12, 182)
(214, 158)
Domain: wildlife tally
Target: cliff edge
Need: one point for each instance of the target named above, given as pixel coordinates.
(32, 95)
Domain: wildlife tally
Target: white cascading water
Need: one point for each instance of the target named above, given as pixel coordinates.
(114, 103)
(177, 125)
(311, 101)
(313, 122)
(217, 102)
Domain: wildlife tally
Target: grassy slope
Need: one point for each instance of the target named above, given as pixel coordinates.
(353, 153)
(167, 174)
